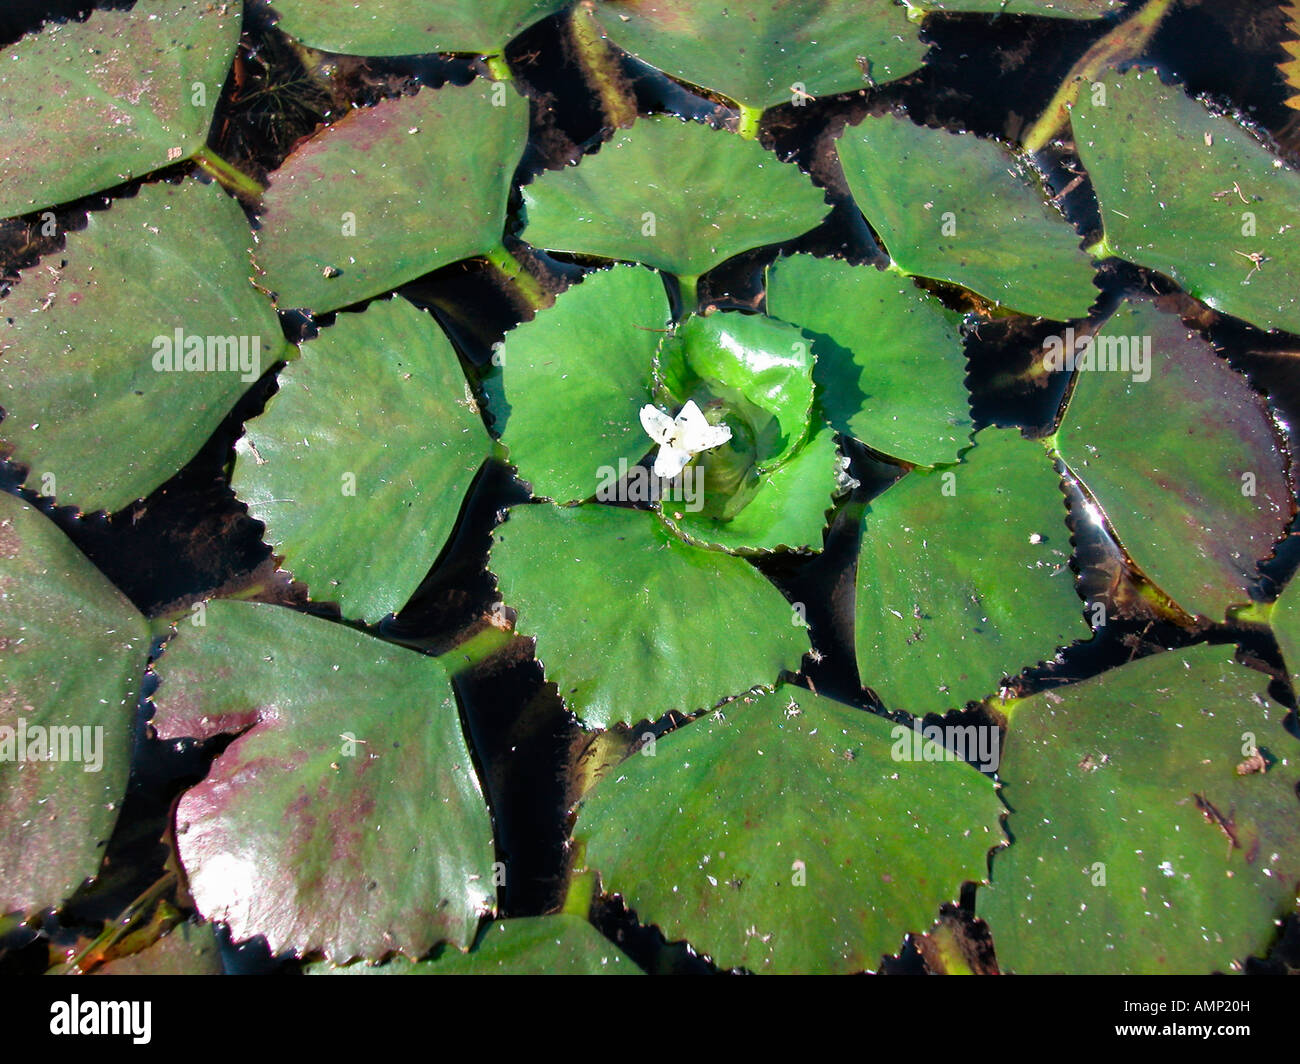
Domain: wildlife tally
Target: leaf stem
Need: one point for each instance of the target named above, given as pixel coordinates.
(525, 285)
(1100, 250)
(1126, 41)
(477, 648)
(1003, 707)
(96, 951)
(582, 885)
(600, 67)
(249, 592)
(687, 288)
(1165, 608)
(234, 179)
(1253, 613)
(750, 117)
(498, 68)
(948, 950)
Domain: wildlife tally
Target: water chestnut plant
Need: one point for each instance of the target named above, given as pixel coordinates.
(638, 486)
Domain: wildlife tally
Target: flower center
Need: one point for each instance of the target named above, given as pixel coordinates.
(681, 438)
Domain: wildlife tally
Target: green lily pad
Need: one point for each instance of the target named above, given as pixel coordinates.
(674, 195)
(954, 207)
(1285, 619)
(782, 508)
(391, 192)
(562, 944)
(1201, 494)
(876, 336)
(755, 52)
(598, 585)
(89, 105)
(573, 379)
(346, 817)
(361, 460)
(789, 834)
(963, 576)
(1145, 839)
(1193, 195)
(89, 355)
(72, 654)
(410, 27)
(1044, 8)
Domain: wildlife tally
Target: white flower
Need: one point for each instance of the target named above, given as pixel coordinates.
(680, 439)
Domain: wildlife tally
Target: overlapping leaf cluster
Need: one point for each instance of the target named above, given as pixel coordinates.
(780, 830)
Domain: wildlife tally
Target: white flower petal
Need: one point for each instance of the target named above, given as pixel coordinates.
(690, 417)
(658, 425)
(695, 434)
(670, 461)
(680, 439)
(712, 436)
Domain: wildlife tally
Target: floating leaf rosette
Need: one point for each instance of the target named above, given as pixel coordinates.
(761, 476)
(603, 352)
